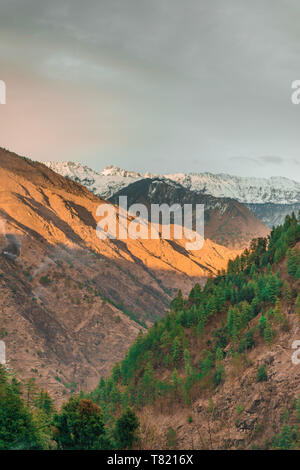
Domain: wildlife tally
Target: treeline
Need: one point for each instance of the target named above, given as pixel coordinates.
(28, 420)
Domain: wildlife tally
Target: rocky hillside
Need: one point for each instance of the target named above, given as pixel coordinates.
(72, 303)
(219, 371)
(227, 222)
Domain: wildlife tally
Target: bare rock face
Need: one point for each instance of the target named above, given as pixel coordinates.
(71, 303)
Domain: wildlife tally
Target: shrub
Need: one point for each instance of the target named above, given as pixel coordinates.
(286, 439)
(171, 439)
(126, 429)
(45, 281)
(262, 375)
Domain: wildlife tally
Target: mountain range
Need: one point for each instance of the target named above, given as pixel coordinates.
(270, 199)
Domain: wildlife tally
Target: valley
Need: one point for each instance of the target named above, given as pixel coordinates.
(72, 303)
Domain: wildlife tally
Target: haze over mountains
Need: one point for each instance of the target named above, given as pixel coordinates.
(270, 199)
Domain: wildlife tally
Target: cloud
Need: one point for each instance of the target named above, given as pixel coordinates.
(295, 161)
(272, 159)
(158, 86)
(245, 159)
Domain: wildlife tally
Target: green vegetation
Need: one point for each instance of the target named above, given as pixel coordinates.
(288, 438)
(171, 439)
(213, 323)
(126, 429)
(28, 420)
(79, 425)
(45, 281)
(262, 375)
(251, 288)
(178, 357)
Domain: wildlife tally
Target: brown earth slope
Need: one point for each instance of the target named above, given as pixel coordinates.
(241, 413)
(227, 222)
(71, 303)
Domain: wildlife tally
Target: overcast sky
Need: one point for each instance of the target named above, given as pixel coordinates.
(158, 85)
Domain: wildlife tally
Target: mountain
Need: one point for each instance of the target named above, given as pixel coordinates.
(277, 190)
(227, 222)
(72, 303)
(272, 214)
(270, 199)
(103, 184)
(248, 190)
(221, 369)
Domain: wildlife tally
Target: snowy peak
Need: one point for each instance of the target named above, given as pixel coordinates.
(112, 170)
(278, 190)
(103, 184)
(249, 190)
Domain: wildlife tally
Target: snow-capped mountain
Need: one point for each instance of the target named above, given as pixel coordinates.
(250, 190)
(270, 199)
(277, 190)
(103, 184)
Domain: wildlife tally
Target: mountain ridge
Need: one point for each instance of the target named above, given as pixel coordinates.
(226, 221)
(270, 199)
(250, 190)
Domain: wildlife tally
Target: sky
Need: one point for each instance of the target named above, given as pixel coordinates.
(153, 85)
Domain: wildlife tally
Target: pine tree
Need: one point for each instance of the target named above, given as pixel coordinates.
(187, 362)
(80, 425)
(268, 333)
(176, 350)
(297, 306)
(262, 375)
(126, 430)
(262, 324)
(291, 262)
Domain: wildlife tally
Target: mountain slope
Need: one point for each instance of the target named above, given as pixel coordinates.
(73, 303)
(272, 214)
(217, 371)
(227, 222)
